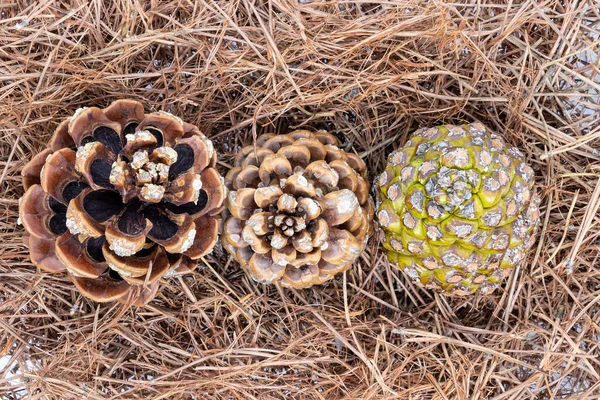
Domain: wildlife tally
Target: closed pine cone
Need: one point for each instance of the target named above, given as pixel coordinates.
(120, 199)
(458, 207)
(298, 209)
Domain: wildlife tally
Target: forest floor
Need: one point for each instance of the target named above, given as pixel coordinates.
(371, 72)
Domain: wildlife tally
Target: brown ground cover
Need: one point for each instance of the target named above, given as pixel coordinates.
(371, 72)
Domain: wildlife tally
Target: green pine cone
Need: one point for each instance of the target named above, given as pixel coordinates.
(458, 208)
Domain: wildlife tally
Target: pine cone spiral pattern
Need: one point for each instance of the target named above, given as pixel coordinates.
(120, 199)
(298, 209)
(458, 208)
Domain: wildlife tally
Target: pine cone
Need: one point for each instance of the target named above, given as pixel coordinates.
(458, 208)
(299, 208)
(120, 199)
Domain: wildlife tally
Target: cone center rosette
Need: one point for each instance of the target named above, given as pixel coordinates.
(300, 211)
(458, 208)
(151, 173)
(127, 198)
(451, 188)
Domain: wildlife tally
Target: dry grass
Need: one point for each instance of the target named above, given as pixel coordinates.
(371, 72)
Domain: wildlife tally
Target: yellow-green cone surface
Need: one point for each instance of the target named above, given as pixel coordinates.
(458, 208)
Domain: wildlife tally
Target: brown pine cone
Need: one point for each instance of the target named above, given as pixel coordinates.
(298, 209)
(120, 199)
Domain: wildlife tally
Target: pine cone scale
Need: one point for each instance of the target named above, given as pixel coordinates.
(70, 251)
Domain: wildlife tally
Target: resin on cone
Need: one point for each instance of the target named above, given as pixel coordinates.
(298, 209)
(458, 208)
(120, 199)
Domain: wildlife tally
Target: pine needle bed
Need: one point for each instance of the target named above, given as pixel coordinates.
(371, 72)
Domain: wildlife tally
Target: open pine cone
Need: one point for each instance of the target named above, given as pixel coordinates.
(298, 209)
(120, 199)
(458, 208)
